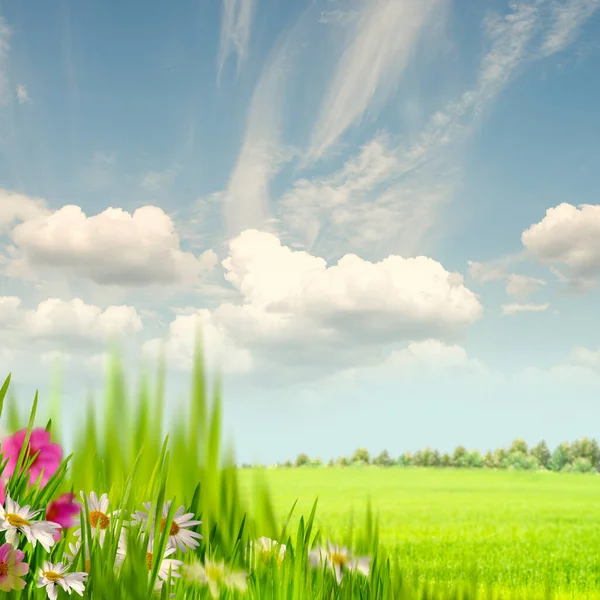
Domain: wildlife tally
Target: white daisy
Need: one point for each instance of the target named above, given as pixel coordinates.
(52, 576)
(99, 516)
(265, 547)
(14, 519)
(74, 548)
(215, 575)
(180, 537)
(165, 565)
(340, 560)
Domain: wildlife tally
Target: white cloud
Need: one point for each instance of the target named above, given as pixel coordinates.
(58, 328)
(585, 357)
(246, 202)
(18, 207)
(113, 247)
(22, 95)
(484, 272)
(567, 240)
(338, 17)
(370, 67)
(568, 18)
(297, 313)
(521, 286)
(311, 204)
(235, 30)
(512, 309)
(219, 350)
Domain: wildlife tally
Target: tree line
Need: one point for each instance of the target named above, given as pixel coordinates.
(582, 456)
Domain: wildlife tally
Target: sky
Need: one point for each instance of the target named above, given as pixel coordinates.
(383, 214)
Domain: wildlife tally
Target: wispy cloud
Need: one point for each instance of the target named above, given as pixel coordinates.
(157, 180)
(235, 30)
(512, 309)
(246, 201)
(383, 37)
(399, 214)
(568, 18)
(5, 34)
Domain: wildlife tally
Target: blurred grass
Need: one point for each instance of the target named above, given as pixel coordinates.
(521, 532)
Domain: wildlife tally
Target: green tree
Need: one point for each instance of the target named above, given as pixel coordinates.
(302, 459)
(384, 459)
(405, 460)
(474, 460)
(460, 457)
(418, 458)
(582, 465)
(427, 457)
(446, 460)
(519, 445)
(519, 461)
(541, 453)
(331, 462)
(488, 460)
(500, 455)
(585, 448)
(343, 461)
(288, 464)
(436, 459)
(361, 455)
(560, 457)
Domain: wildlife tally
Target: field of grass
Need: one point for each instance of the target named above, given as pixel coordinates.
(528, 535)
(520, 531)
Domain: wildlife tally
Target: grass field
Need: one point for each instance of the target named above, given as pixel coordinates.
(521, 531)
(524, 534)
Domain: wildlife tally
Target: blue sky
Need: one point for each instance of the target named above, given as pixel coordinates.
(383, 213)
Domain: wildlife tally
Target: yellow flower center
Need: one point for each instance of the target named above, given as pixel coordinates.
(3, 569)
(149, 560)
(52, 576)
(339, 559)
(16, 520)
(174, 527)
(99, 519)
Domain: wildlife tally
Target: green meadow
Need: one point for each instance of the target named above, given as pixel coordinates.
(439, 534)
(515, 531)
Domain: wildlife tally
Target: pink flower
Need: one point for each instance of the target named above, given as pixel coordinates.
(61, 511)
(48, 459)
(12, 568)
(2, 491)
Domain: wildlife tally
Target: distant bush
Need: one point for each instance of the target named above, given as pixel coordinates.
(519, 461)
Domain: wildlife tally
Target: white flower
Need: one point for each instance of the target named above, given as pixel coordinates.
(215, 574)
(339, 559)
(266, 547)
(99, 516)
(51, 576)
(179, 534)
(165, 565)
(74, 548)
(13, 519)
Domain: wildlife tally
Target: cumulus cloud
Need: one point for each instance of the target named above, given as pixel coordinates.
(513, 309)
(113, 247)
(567, 240)
(219, 350)
(585, 357)
(19, 207)
(296, 310)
